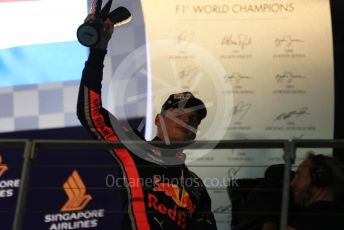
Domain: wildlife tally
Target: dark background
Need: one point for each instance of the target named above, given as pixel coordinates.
(337, 9)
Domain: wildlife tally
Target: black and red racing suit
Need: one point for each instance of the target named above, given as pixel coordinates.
(167, 203)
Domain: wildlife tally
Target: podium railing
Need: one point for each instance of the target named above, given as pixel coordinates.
(289, 147)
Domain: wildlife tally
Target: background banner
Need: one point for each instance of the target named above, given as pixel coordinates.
(11, 160)
(264, 69)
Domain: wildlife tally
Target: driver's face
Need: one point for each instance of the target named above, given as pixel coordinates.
(178, 124)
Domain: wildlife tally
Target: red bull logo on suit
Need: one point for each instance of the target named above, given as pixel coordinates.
(180, 197)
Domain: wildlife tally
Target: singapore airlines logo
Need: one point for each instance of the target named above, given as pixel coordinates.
(7, 186)
(73, 214)
(76, 192)
(3, 167)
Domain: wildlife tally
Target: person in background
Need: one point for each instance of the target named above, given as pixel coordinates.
(316, 187)
(256, 202)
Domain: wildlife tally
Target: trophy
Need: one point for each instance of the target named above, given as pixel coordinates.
(88, 33)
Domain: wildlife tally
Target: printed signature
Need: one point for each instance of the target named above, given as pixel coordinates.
(223, 209)
(184, 39)
(241, 109)
(241, 40)
(188, 71)
(185, 36)
(232, 172)
(288, 77)
(287, 41)
(295, 113)
(296, 137)
(235, 77)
